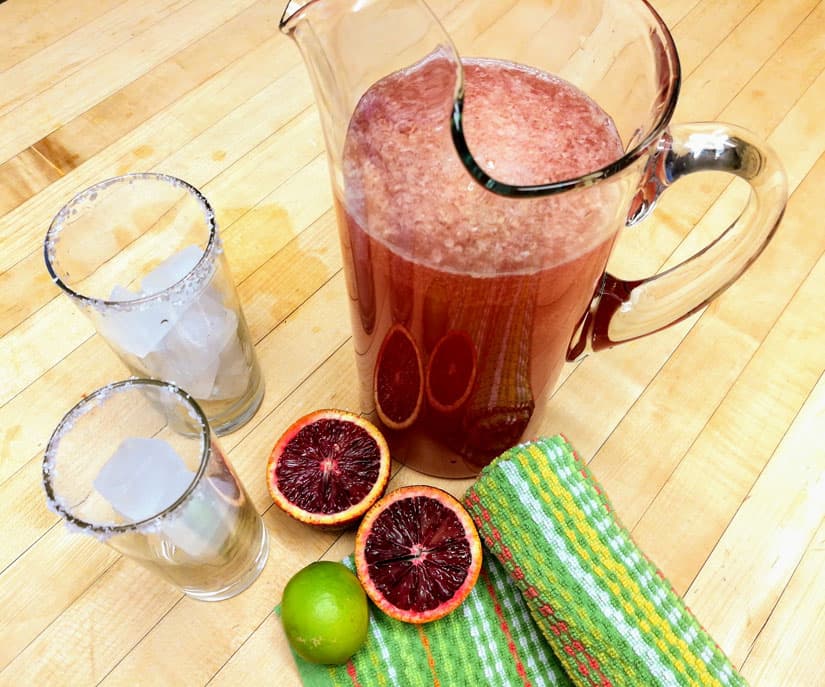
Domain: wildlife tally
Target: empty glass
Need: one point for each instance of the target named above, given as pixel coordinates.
(135, 465)
(140, 255)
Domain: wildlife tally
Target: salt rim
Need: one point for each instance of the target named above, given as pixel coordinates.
(102, 532)
(182, 290)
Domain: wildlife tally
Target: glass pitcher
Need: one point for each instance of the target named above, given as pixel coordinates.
(480, 182)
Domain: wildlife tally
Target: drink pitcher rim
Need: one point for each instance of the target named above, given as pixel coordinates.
(670, 85)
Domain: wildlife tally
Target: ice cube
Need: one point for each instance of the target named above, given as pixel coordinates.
(171, 270)
(207, 324)
(190, 354)
(139, 330)
(143, 477)
(146, 476)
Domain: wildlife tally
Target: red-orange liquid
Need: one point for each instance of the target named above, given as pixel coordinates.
(494, 286)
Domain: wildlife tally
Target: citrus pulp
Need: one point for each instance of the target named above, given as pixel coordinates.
(417, 553)
(328, 468)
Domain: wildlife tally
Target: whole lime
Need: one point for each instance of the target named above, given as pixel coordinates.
(324, 613)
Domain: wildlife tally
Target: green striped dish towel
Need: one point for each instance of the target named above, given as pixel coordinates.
(490, 639)
(564, 598)
(608, 612)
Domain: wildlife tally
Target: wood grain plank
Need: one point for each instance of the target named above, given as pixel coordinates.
(243, 129)
(27, 421)
(23, 176)
(47, 580)
(782, 655)
(144, 147)
(767, 537)
(277, 289)
(798, 138)
(33, 119)
(151, 142)
(80, 48)
(673, 11)
(26, 287)
(28, 275)
(22, 230)
(127, 108)
(28, 349)
(769, 393)
(28, 27)
(791, 71)
(264, 654)
(725, 71)
(27, 519)
(85, 641)
(707, 25)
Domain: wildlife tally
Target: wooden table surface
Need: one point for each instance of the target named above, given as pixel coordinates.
(710, 436)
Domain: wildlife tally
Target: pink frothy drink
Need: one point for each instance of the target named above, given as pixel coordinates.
(464, 301)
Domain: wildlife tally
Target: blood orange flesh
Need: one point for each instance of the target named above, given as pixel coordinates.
(398, 384)
(328, 468)
(418, 554)
(451, 372)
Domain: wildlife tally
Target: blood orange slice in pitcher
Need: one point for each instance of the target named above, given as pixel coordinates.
(451, 372)
(417, 553)
(328, 468)
(398, 384)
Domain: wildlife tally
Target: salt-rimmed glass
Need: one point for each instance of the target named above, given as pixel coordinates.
(207, 539)
(141, 256)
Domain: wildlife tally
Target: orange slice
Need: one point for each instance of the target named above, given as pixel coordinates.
(417, 554)
(451, 372)
(398, 383)
(328, 468)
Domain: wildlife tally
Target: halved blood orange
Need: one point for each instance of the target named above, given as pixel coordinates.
(328, 468)
(417, 553)
(398, 384)
(451, 372)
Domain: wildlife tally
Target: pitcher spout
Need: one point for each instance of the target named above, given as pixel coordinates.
(290, 12)
(350, 45)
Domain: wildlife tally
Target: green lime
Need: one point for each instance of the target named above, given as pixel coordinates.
(324, 612)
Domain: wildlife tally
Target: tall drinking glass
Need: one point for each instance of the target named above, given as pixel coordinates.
(141, 256)
(135, 465)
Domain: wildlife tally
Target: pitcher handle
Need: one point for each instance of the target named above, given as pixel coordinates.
(626, 310)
